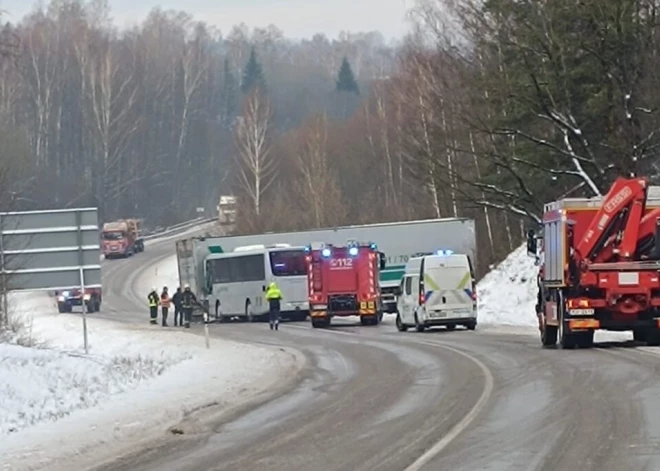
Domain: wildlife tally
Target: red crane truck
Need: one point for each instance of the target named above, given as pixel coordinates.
(600, 265)
(344, 281)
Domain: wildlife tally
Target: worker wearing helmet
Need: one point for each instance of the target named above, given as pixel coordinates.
(165, 301)
(152, 297)
(274, 296)
(188, 301)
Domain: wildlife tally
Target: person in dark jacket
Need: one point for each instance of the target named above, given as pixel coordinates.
(274, 296)
(152, 297)
(188, 301)
(178, 311)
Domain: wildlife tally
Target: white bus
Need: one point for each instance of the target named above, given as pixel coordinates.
(238, 282)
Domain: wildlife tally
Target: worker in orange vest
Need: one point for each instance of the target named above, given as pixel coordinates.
(165, 302)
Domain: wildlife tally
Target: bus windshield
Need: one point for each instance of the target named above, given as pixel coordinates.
(288, 263)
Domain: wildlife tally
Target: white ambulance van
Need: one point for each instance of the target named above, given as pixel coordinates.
(437, 290)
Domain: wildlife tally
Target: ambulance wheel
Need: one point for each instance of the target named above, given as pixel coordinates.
(451, 327)
(401, 327)
(419, 327)
(472, 325)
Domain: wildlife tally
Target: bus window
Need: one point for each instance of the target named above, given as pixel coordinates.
(221, 270)
(288, 263)
(251, 267)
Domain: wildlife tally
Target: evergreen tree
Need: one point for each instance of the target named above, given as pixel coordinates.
(253, 74)
(346, 80)
(229, 95)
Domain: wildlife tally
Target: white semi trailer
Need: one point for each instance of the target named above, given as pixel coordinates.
(399, 241)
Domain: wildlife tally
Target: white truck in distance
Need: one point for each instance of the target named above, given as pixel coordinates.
(399, 241)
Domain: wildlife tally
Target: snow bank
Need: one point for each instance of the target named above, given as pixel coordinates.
(507, 297)
(56, 403)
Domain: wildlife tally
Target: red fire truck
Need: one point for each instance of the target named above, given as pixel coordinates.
(600, 265)
(343, 281)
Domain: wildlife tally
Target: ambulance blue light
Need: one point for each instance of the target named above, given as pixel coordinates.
(326, 252)
(445, 252)
(353, 251)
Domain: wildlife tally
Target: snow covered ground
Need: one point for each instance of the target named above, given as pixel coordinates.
(56, 403)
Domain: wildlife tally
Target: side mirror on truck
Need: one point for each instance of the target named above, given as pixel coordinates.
(381, 257)
(532, 244)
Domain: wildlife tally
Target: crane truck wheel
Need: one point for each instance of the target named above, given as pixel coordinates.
(549, 335)
(567, 340)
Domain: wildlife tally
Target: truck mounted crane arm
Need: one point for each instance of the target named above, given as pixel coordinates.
(615, 229)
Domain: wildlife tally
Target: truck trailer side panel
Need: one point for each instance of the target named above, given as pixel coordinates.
(399, 241)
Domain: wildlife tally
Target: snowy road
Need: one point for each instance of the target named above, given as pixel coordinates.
(376, 399)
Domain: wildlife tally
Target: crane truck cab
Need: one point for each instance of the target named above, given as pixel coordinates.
(437, 290)
(344, 281)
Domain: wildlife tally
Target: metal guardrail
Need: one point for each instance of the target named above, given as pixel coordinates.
(178, 228)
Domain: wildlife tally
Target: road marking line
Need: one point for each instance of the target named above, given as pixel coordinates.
(467, 420)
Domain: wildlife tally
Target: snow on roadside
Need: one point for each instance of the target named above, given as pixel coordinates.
(507, 297)
(56, 402)
(507, 294)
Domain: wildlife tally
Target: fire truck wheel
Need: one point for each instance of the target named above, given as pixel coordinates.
(401, 327)
(369, 320)
(653, 338)
(640, 335)
(320, 323)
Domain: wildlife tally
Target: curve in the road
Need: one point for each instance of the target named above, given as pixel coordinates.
(376, 399)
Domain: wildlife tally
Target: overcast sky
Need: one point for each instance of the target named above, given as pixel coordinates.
(297, 18)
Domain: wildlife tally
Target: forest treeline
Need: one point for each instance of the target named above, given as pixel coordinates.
(488, 109)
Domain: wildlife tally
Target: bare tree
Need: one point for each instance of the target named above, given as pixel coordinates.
(318, 187)
(257, 168)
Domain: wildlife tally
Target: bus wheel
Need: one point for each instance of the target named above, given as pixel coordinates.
(248, 313)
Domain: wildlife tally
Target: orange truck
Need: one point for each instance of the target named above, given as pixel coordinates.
(121, 238)
(600, 266)
(343, 281)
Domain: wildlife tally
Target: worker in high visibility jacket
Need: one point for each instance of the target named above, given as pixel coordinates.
(165, 302)
(274, 296)
(153, 306)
